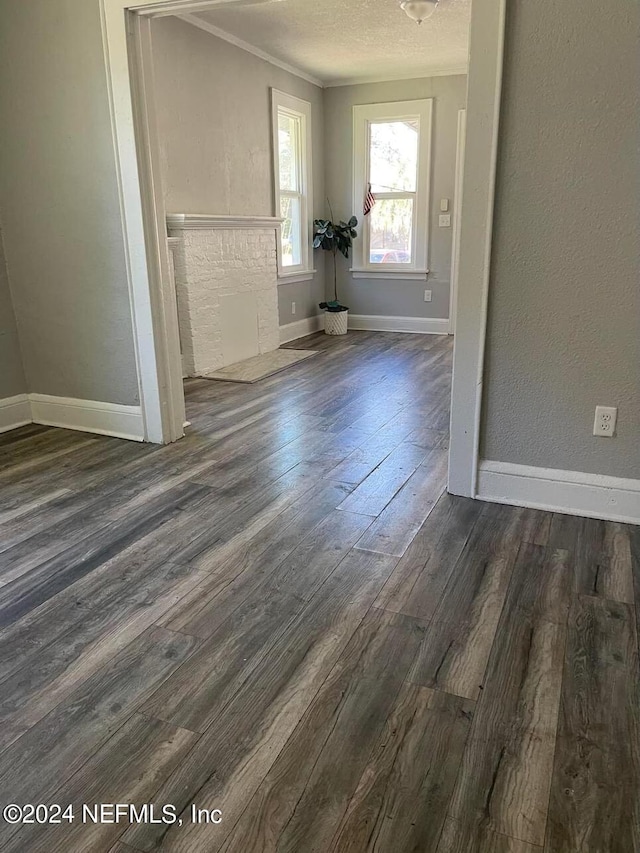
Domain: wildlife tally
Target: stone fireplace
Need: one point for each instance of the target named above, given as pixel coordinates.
(226, 279)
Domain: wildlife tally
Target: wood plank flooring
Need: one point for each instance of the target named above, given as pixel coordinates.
(285, 617)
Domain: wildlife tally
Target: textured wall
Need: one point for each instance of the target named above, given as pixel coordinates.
(210, 265)
(12, 379)
(388, 297)
(564, 312)
(214, 117)
(59, 202)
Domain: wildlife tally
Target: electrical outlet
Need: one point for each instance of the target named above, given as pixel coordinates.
(293, 307)
(427, 296)
(444, 220)
(605, 421)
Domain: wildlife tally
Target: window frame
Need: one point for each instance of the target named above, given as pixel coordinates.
(364, 115)
(281, 102)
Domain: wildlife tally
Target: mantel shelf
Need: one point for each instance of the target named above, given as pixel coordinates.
(187, 221)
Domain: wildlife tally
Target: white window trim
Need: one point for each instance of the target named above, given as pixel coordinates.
(363, 115)
(393, 274)
(281, 100)
(293, 277)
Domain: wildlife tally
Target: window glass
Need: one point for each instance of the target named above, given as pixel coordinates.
(289, 151)
(391, 231)
(393, 156)
(291, 231)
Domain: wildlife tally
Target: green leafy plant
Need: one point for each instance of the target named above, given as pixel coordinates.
(334, 238)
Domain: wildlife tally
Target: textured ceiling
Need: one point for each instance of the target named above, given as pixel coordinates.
(349, 40)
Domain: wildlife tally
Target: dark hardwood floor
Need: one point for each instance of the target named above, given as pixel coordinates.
(284, 617)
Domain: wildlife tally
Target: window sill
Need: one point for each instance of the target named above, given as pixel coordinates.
(293, 277)
(396, 274)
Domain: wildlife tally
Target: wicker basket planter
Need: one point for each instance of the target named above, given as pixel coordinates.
(336, 322)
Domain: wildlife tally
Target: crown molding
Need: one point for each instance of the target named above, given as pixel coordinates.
(164, 8)
(451, 71)
(195, 21)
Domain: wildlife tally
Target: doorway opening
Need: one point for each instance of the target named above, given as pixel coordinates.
(129, 47)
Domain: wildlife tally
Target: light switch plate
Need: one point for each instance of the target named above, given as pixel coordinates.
(444, 220)
(444, 204)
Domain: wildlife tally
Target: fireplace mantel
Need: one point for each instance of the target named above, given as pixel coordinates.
(186, 221)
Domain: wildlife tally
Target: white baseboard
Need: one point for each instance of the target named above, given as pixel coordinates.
(293, 331)
(569, 492)
(14, 412)
(380, 323)
(88, 416)
(368, 323)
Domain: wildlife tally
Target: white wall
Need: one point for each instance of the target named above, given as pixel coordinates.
(564, 311)
(59, 202)
(214, 116)
(12, 380)
(388, 297)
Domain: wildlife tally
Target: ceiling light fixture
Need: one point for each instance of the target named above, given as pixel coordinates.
(419, 10)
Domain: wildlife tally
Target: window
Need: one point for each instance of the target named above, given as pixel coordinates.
(392, 155)
(292, 170)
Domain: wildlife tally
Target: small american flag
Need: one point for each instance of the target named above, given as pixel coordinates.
(369, 200)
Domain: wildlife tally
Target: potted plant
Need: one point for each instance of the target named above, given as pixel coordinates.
(334, 238)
